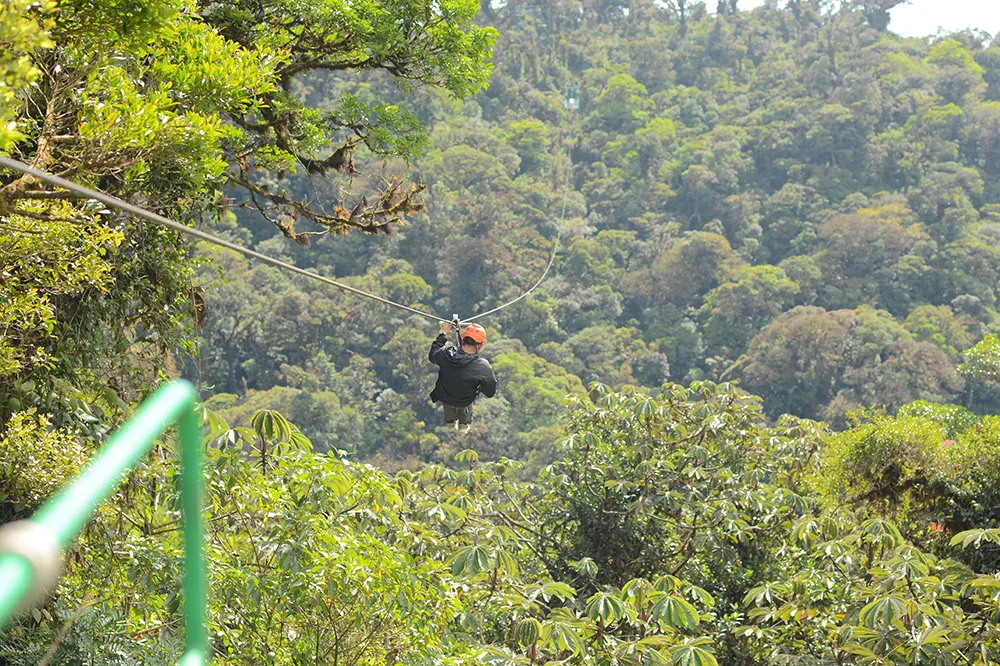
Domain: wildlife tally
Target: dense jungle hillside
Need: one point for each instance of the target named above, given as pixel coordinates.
(748, 419)
(790, 198)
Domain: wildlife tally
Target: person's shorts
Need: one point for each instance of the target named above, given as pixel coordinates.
(461, 414)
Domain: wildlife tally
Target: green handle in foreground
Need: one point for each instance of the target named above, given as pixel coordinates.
(65, 514)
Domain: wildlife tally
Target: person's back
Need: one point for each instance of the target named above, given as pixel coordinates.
(463, 375)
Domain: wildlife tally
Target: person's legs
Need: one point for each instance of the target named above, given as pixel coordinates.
(465, 415)
(450, 414)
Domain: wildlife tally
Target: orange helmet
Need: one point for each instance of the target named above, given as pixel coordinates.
(475, 332)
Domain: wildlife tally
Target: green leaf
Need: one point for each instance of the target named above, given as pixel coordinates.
(467, 455)
(860, 650)
(882, 532)
(638, 592)
(271, 425)
(975, 537)
(605, 608)
(299, 440)
(700, 595)
(527, 631)
(585, 567)
(674, 611)
(558, 590)
(692, 654)
(471, 560)
(447, 512)
(474, 560)
(882, 612)
(562, 636)
(645, 410)
(761, 595)
(935, 635)
(668, 583)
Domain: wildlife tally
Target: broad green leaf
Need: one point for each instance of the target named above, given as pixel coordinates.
(605, 607)
(692, 655)
(668, 583)
(467, 455)
(585, 567)
(882, 532)
(562, 636)
(674, 611)
(882, 612)
(975, 537)
(860, 650)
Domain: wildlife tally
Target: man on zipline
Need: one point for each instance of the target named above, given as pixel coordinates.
(463, 374)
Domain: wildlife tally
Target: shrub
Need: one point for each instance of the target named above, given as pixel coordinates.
(880, 459)
(952, 418)
(35, 461)
(934, 469)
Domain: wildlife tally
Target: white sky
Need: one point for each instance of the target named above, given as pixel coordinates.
(923, 17)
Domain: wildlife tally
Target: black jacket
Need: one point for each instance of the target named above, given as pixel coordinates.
(462, 376)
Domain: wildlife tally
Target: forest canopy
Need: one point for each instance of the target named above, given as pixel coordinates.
(748, 419)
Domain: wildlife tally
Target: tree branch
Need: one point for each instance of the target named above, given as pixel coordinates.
(393, 203)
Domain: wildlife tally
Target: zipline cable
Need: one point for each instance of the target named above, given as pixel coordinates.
(555, 248)
(126, 207)
(197, 233)
(552, 259)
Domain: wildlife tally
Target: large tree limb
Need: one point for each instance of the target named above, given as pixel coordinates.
(373, 218)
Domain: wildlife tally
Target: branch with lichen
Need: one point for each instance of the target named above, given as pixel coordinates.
(394, 202)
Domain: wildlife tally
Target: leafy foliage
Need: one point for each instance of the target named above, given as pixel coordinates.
(983, 360)
(717, 221)
(23, 28)
(790, 197)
